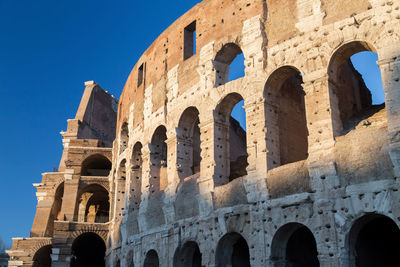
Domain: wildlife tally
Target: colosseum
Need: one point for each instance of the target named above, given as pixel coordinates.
(165, 176)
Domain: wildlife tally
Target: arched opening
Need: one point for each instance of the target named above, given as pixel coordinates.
(230, 142)
(374, 241)
(229, 64)
(124, 137)
(158, 159)
(118, 264)
(55, 214)
(285, 118)
(96, 165)
(151, 259)
(120, 184)
(129, 259)
(232, 251)
(188, 255)
(188, 137)
(351, 99)
(88, 249)
(294, 245)
(93, 204)
(136, 177)
(42, 257)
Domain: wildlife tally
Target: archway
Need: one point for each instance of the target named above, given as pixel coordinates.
(351, 99)
(55, 214)
(294, 245)
(230, 151)
(188, 255)
(232, 251)
(158, 159)
(96, 165)
(188, 138)
(93, 204)
(42, 257)
(285, 117)
(88, 250)
(124, 137)
(229, 53)
(151, 259)
(374, 241)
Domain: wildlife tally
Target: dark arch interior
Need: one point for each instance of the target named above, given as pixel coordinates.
(88, 250)
(151, 259)
(301, 249)
(353, 99)
(377, 243)
(285, 107)
(55, 214)
(189, 151)
(124, 137)
(158, 158)
(42, 257)
(96, 165)
(188, 256)
(229, 53)
(93, 204)
(233, 251)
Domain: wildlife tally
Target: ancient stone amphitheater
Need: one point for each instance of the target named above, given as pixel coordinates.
(166, 177)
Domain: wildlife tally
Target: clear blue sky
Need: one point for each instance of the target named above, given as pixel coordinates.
(47, 50)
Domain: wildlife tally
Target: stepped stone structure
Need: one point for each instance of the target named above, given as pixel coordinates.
(166, 177)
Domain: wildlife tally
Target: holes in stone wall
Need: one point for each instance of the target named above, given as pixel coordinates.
(88, 249)
(294, 245)
(230, 153)
(120, 185)
(188, 255)
(351, 99)
(188, 141)
(373, 241)
(228, 64)
(189, 46)
(285, 116)
(151, 259)
(232, 250)
(124, 137)
(136, 177)
(158, 160)
(96, 165)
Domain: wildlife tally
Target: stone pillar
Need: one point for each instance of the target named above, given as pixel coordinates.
(390, 69)
(40, 227)
(173, 180)
(60, 255)
(145, 187)
(71, 187)
(322, 116)
(207, 164)
(255, 182)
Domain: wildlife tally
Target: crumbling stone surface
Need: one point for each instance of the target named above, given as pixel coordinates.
(316, 166)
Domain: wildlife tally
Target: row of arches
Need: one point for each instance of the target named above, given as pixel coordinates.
(372, 241)
(286, 119)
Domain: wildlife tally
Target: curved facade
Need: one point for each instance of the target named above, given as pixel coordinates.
(311, 182)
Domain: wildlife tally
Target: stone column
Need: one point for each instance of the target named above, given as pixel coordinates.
(71, 187)
(255, 182)
(207, 164)
(145, 187)
(173, 180)
(390, 69)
